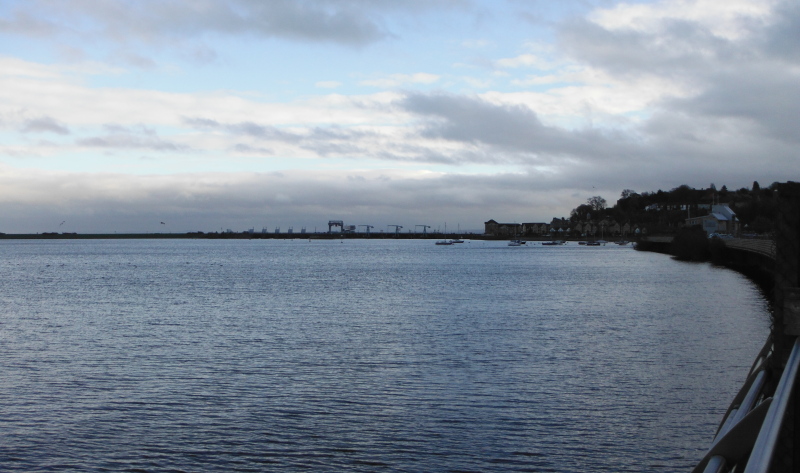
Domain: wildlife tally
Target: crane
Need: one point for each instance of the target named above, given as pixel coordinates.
(367, 227)
(397, 229)
(424, 228)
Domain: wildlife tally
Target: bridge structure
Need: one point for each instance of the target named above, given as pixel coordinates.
(758, 433)
(335, 223)
(397, 229)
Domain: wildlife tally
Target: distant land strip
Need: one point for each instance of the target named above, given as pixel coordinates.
(250, 236)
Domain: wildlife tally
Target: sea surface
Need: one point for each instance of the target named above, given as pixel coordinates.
(364, 356)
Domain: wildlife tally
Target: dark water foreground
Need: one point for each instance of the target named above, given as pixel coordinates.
(160, 355)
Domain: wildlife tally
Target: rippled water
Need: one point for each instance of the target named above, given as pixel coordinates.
(372, 355)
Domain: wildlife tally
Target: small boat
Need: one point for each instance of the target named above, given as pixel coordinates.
(444, 242)
(552, 243)
(516, 243)
(622, 242)
(458, 240)
(592, 243)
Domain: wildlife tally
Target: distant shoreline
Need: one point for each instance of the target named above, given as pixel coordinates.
(240, 236)
(269, 236)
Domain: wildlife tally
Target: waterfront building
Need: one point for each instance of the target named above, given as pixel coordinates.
(721, 219)
(501, 229)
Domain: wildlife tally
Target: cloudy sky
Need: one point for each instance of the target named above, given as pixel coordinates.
(116, 115)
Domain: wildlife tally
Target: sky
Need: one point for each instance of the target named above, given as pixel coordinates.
(117, 115)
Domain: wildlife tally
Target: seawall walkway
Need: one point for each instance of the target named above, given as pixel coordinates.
(758, 433)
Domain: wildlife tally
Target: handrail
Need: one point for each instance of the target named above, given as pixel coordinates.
(737, 428)
(764, 448)
(761, 247)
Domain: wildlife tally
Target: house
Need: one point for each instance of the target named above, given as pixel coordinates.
(721, 219)
(559, 223)
(501, 229)
(534, 229)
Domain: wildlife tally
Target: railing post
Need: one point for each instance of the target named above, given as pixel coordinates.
(786, 326)
(787, 259)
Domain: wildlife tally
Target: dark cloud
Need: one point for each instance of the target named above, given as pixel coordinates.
(768, 99)
(27, 23)
(44, 125)
(740, 101)
(244, 148)
(239, 201)
(324, 141)
(679, 48)
(350, 22)
(248, 128)
(129, 141)
(782, 39)
(514, 128)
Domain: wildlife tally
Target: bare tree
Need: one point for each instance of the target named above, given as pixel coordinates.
(597, 203)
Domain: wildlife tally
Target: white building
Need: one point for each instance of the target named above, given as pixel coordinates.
(721, 220)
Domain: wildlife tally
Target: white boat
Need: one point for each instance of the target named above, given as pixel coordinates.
(445, 242)
(515, 243)
(458, 240)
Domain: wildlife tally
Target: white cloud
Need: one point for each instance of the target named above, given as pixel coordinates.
(400, 80)
(328, 84)
(524, 60)
(731, 19)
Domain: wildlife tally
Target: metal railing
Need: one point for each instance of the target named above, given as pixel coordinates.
(761, 247)
(750, 430)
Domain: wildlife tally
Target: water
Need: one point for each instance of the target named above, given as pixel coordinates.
(372, 355)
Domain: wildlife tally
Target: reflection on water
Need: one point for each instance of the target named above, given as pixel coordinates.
(370, 355)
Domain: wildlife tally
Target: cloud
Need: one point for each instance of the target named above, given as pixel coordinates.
(328, 84)
(514, 128)
(524, 60)
(734, 96)
(44, 124)
(639, 95)
(782, 38)
(348, 23)
(103, 202)
(766, 100)
(245, 148)
(732, 20)
(125, 141)
(399, 80)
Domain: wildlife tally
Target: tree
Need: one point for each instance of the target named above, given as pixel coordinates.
(581, 213)
(597, 203)
(628, 193)
(756, 187)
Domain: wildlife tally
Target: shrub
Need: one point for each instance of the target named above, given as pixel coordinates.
(690, 244)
